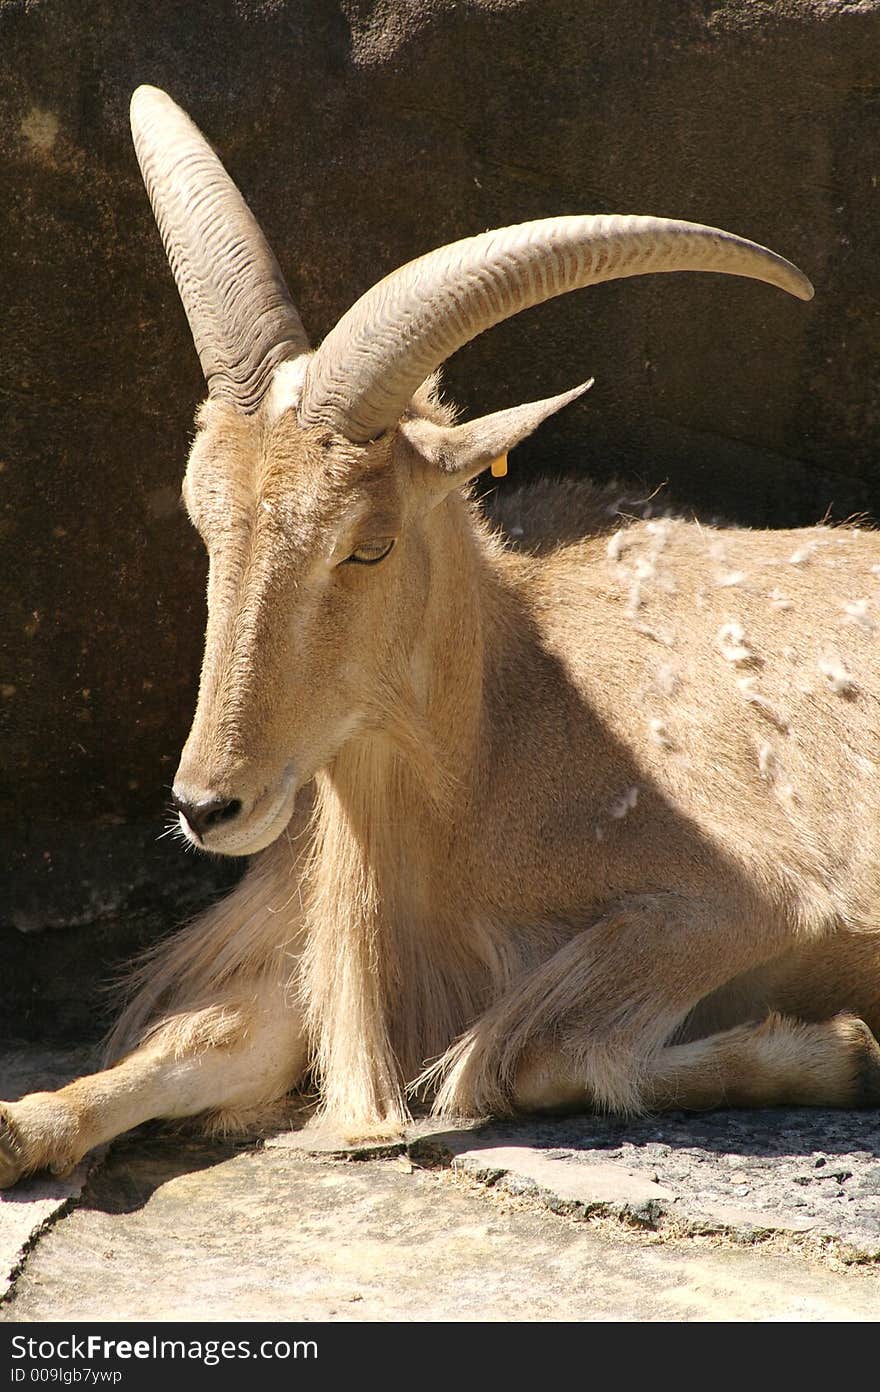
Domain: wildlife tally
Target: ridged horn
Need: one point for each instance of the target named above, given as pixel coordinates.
(402, 329)
(241, 315)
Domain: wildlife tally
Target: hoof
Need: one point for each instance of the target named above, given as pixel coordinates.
(868, 1069)
(11, 1166)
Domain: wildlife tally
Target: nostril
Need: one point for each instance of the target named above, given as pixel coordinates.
(211, 812)
(221, 812)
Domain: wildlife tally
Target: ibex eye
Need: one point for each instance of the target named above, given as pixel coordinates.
(370, 553)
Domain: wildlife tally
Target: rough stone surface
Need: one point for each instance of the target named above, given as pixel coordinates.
(363, 134)
(747, 1174)
(171, 1233)
(32, 1206)
(27, 1213)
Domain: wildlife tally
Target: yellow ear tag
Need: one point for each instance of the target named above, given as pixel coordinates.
(499, 466)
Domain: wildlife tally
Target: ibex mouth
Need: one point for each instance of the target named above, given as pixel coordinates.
(251, 830)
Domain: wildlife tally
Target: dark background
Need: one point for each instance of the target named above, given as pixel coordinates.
(364, 134)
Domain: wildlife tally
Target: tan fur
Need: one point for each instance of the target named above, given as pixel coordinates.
(584, 797)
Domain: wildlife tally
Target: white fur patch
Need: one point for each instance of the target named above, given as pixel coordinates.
(766, 760)
(624, 804)
(803, 554)
(659, 732)
(615, 547)
(667, 679)
(732, 644)
(286, 389)
(856, 612)
(841, 681)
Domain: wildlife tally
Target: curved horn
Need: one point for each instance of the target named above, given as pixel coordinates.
(240, 312)
(368, 367)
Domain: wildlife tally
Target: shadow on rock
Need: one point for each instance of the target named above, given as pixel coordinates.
(759, 1134)
(140, 1164)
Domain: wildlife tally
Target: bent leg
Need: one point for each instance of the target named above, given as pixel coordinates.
(777, 1062)
(215, 1028)
(602, 1006)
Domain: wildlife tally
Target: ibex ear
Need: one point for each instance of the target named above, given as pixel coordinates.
(456, 453)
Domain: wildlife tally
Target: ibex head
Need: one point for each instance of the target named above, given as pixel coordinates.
(320, 481)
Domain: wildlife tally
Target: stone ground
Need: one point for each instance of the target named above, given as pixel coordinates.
(740, 1216)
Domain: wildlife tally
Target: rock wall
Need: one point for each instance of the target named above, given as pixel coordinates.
(363, 134)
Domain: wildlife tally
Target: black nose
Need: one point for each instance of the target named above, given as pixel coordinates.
(202, 816)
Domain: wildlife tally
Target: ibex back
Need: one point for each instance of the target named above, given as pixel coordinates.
(589, 820)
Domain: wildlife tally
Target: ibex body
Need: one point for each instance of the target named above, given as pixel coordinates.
(591, 820)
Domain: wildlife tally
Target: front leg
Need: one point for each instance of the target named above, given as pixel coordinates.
(233, 1061)
(588, 1023)
(215, 1028)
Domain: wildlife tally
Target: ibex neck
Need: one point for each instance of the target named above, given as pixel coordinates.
(389, 871)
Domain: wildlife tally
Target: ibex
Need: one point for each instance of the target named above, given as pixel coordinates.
(585, 818)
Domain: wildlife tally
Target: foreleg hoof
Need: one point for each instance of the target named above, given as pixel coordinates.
(40, 1132)
(867, 1054)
